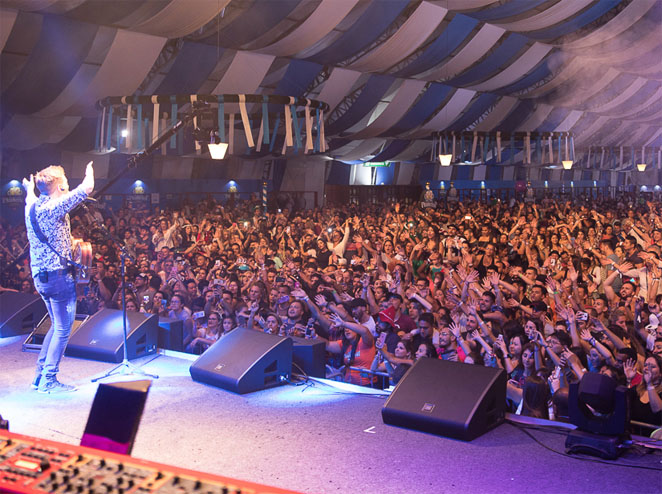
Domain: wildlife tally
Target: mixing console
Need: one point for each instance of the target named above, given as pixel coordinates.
(29, 465)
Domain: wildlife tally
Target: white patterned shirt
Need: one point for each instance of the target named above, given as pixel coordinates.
(53, 219)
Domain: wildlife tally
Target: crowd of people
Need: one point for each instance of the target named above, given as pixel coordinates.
(547, 291)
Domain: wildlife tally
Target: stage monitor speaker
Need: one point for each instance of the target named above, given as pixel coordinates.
(309, 356)
(101, 337)
(115, 415)
(171, 334)
(451, 399)
(245, 360)
(35, 339)
(20, 313)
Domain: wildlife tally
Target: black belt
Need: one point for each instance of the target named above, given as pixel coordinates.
(45, 275)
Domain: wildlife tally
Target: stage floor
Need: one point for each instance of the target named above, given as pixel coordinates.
(313, 439)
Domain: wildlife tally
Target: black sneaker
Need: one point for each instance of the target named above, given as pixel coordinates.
(54, 386)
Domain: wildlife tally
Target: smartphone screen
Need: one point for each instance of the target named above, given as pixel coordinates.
(435, 337)
(382, 338)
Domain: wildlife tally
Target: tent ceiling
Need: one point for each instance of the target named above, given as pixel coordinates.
(393, 71)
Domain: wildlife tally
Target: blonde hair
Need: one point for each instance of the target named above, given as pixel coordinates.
(47, 179)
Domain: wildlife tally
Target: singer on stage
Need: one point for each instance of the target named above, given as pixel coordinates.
(50, 256)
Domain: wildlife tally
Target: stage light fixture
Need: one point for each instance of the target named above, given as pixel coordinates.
(445, 159)
(567, 164)
(641, 167)
(217, 150)
(599, 407)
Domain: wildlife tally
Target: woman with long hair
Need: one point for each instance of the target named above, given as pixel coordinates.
(646, 397)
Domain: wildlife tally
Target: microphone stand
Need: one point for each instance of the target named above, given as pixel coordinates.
(126, 368)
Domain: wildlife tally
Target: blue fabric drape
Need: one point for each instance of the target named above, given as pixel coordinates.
(426, 106)
(476, 109)
(110, 13)
(54, 60)
(491, 65)
(554, 119)
(454, 34)
(573, 24)
(373, 91)
(297, 77)
(192, 66)
(367, 28)
(256, 20)
(394, 148)
(540, 72)
(517, 116)
(514, 7)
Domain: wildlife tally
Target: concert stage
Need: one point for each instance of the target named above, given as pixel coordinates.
(313, 439)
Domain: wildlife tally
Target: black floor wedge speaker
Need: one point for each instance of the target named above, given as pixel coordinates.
(244, 361)
(101, 337)
(450, 399)
(309, 357)
(171, 334)
(20, 313)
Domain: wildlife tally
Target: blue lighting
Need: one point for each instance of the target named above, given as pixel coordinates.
(138, 182)
(14, 183)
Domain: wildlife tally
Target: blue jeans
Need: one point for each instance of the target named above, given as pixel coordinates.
(59, 294)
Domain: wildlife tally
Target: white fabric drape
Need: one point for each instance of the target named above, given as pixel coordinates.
(404, 98)
(558, 12)
(365, 148)
(337, 86)
(179, 17)
(652, 118)
(100, 46)
(622, 53)
(655, 136)
(7, 19)
(28, 132)
(585, 88)
(62, 6)
(473, 51)
(461, 5)
(541, 112)
(623, 21)
(245, 73)
(326, 16)
(624, 95)
(586, 135)
(28, 5)
(654, 101)
(565, 74)
(568, 122)
(529, 59)
(455, 106)
(413, 151)
(416, 29)
(498, 114)
(129, 59)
